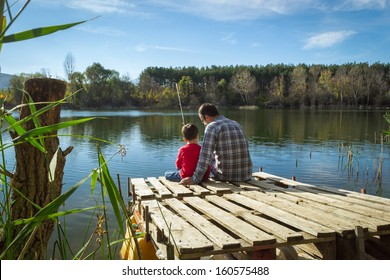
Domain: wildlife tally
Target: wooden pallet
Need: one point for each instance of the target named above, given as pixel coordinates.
(261, 215)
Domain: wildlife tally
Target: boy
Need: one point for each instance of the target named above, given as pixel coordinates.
(188, 155)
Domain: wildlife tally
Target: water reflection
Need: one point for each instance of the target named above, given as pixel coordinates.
(301, 126)
(305, 144)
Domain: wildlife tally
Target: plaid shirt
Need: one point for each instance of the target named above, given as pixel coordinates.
(225, 149)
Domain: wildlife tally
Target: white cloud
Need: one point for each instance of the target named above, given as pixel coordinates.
(102, 31)
(252, 9)
(234, 9)
(361, 4)
(220, 10)
(230, 38)
(97, 6)
(101, 6)
(327, 39)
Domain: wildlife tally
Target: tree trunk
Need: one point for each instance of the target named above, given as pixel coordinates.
(31, 176)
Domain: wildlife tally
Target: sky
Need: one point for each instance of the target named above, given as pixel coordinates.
(128, 36)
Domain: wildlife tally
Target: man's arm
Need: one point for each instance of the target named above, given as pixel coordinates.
(206, 153)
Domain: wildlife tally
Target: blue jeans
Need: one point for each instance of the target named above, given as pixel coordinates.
(173, 176)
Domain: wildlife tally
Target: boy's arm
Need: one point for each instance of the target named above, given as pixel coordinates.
(179, 160)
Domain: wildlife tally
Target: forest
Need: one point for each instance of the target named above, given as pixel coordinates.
(352, 85)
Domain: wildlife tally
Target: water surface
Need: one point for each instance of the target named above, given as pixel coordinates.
(313, 146)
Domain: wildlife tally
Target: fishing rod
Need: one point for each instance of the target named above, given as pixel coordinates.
(181, 108)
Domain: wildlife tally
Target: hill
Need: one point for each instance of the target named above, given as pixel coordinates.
(4, 80)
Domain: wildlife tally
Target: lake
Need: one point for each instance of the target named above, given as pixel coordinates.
(310, 145)
(340, 149)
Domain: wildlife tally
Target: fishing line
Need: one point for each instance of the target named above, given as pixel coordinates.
(181, 108)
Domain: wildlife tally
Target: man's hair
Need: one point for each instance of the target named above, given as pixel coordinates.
(208, 109)
(189, 131)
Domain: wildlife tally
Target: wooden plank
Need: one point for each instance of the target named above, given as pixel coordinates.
(199, 190)
(283, 216)
(215, 234)
(273, 228)
(274, 178)
(361, 216)
(182, 235)
(162, 190)
(338, 224)
(376, 202)
(374, 208)
(226, 205)
(142, 190)
(364, 208)
(266, 225)
(218, 187)
(261, 185)
(353, 194)
(371, 223)
(175, 188)
(247, 232)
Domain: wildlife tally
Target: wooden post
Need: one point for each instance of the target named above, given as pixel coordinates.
(31, 177)
(360, 248)
(129, 186)
(146, 218)
(170, 252)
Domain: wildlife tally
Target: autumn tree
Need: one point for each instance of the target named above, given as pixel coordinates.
(298, 87)
(327, 84)
(357, 82)
(245, 85)
(341, 83)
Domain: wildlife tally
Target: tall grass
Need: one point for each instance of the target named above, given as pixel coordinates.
(111, 199)
(363, 168)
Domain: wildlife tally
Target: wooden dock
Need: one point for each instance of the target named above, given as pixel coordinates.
(260, 218)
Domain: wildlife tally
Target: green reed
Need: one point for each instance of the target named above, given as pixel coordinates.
(107, 244)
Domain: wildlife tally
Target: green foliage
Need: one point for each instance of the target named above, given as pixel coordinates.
(35, 137)
(276, 85)
(50, 211)
(37, 32)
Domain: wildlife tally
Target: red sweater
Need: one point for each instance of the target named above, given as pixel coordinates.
(187, 159)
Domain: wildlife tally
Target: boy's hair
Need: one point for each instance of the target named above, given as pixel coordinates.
(189, 131)
(208, 109)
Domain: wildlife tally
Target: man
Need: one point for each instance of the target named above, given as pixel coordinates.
(224, 148)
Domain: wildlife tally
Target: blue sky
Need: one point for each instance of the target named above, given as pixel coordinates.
(129, 36)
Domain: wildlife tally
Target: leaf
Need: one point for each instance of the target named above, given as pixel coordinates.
(112, 191)
(21, 131)
(37, 32)
(3, 26)
(35, 113)
(41, 131)
(33, 110)
(52, 167)
(95, 175)
(51, 216)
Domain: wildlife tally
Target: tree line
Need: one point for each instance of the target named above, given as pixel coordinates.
(272, 86)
